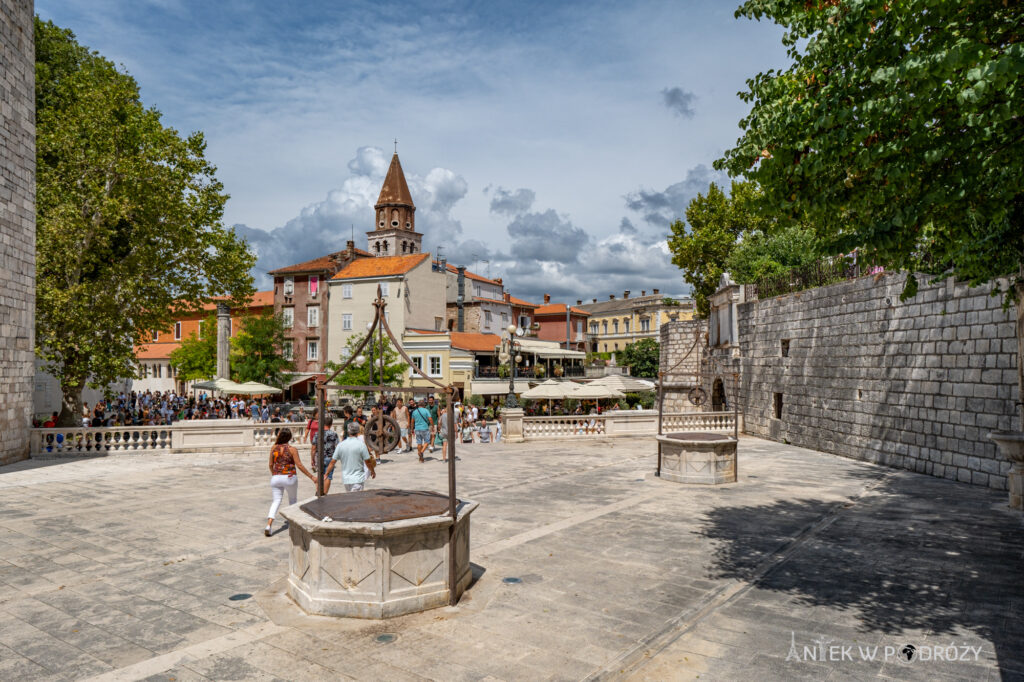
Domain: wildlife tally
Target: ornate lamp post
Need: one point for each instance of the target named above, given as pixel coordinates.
(511, 355)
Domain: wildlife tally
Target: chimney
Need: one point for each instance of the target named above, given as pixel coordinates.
(547, 299)
(625, 294)
(579, 301)
(643, 292)
(498, 280)
(350, 250)
(508, 299)
(654, 291)
(611, 297)
(595, 300)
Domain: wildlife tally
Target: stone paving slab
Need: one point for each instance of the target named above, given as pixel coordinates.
(155, 567)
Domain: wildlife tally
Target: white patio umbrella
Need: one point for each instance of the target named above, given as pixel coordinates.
(624, 383)
(220, 384)
(594, 391)
(549, 390)
(254, 388)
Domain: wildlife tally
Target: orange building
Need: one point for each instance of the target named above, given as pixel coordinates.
(562, 323)
(155, 356)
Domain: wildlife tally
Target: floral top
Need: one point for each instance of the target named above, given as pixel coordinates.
(284, 460)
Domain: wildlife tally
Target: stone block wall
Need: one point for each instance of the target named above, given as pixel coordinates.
(17, 226)
(916, 385)
(677, 339)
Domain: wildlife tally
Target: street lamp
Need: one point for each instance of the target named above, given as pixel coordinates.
(513, 357)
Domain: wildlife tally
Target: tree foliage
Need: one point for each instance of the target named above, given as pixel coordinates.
(257, 351)
(358, 374)
(643, 358)
(196, 358)
(129, 230)
(769, 254)
(897, 128)
(715, 223)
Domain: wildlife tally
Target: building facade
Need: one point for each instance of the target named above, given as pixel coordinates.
(17, 226)
(301, 297)
(618, 322)
(562, 323)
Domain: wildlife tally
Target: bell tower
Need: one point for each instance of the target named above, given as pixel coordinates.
(395, 233)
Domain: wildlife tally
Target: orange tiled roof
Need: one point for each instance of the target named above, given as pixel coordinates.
(476, 342)
(381, 267)
(473, 275)
(156, 351)
(260, 299)
(316, 265)
(521, 303)
(558, 308)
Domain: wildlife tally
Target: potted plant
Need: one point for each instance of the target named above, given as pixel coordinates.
(504, 371)
(538, 371)
(557, 370)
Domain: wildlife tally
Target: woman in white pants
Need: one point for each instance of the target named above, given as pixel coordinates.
(284, 459)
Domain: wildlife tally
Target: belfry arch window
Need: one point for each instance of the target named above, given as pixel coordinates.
(394, 217)
(376, 247)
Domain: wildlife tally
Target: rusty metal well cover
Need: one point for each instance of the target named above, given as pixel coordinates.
(378, 506)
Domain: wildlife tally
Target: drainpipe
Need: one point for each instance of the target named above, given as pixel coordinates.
(461, 300)
(568, 327)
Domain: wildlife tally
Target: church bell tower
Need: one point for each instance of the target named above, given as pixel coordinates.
(395, 233)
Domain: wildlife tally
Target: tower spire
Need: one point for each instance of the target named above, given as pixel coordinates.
(395, 231)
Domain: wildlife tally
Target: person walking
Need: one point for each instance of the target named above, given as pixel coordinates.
(355, 461)
(422, 425)
(331, 441)
(284, 459)
(401, 415)
(432, 408)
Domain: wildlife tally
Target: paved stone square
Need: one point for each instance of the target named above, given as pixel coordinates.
(155, 567)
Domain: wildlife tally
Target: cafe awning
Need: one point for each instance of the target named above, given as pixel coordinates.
(496, 387)
(548, 349)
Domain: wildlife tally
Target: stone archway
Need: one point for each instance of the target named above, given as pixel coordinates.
(718, 399)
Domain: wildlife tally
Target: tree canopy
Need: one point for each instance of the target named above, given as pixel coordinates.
(196, 358)
(257, 351)
(898, 128)
(129, 230)
(643, 358)
(358, 374)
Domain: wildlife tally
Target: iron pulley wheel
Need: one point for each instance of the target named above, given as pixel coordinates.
(698, 396)
(380, 441)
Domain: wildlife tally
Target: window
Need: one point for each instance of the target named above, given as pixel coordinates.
(346, 321)
(777, 400)
(312, 349)
(616, 346)
(645, 324)
(579, 328)
(289, 286)
(313, 316)
(615, 324)
(524, 321)
(288, 317)
(156, 371)
(156, 336)
(593, 328)
(314, 285)
(604, 328)
(487, 318)
(346, 291)
(504, 320)
(177, 331)
(438, 323)
(385, 288)
(785, 348)
(434, 365)
(625, 325)
(417, 362)
(288, 350)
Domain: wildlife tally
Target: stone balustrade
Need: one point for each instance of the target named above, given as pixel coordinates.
(222, 435)
(699, 421)
(618, 423)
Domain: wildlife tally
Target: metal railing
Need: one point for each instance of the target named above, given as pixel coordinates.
(817, 274)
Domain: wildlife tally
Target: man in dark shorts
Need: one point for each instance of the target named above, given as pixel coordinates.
(330, 444)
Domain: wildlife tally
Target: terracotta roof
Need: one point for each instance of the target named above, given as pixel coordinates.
(521, 303)
(260, 299)
(395, 190)
(156, 351)
(558, 308)
(473, 275)
(381, 267)
(475, 342)
(321, 264)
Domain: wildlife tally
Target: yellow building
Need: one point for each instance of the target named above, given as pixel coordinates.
(446, 357)
(618, 322)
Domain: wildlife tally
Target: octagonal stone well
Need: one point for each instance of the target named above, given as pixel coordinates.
(698, 457)
(369, 564)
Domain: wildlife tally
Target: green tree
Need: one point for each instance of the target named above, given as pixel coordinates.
(642, 357)
(129, 227)
(715, 223)
(897, 128)
(768, 254)
(257, 351)
(196, 358)
(358, 374)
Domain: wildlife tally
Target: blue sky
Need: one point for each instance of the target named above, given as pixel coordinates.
(556, 141)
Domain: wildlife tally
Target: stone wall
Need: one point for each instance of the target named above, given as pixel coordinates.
(17, 226)
(916, 385)
(677, 339)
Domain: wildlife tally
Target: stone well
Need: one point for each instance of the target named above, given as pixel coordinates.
(375, 553)
(698, 457)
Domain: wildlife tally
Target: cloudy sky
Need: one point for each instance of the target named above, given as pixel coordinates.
(548, 143)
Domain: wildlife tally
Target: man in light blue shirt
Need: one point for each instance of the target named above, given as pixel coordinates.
(355, 461)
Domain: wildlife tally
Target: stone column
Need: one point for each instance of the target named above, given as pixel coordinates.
(223, 341)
